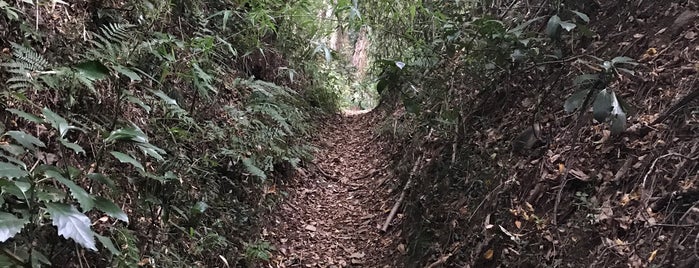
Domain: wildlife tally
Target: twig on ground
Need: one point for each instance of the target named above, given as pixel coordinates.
(394, 210)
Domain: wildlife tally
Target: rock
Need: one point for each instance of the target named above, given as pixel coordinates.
(684, 19)
(310, 228)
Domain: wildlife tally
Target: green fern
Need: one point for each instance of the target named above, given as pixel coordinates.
(27, 67)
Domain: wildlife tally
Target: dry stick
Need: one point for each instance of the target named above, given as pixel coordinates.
(402, 196)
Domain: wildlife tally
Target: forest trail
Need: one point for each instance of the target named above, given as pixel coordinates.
(333, 210)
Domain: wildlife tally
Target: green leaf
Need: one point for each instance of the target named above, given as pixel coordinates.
(11, 171)
(586, 79)
(602, 107)
(553, 27)
(200, 207)
(575, 101)
(13, 149)
(102, 179)
(127, 72)
(92, 70)
(164, 97)
(27, 116)
(254, 170)
(27, 140)
(618, 122)
(111, 209)
(73, 146)
(87, 202)
(582, 16)
(57, 122)
(124, 158)
(10, 225)
(131, 133)
(38, 259)
(72, 224)
(107, 243)
(568, 26)
(50, 194)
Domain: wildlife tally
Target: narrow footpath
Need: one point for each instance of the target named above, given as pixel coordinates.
(334, 208)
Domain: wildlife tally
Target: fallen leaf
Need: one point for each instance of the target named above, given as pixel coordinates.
(310, 228)
(488, 254)
(652, 255)
(518, 224)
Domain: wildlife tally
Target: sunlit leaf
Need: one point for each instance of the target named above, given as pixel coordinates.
(72, 224)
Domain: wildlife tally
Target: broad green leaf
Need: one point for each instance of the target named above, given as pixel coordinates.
(57, 122)
(72, 224)
(11, 171)
(586, 79)
(582, 16)
(152, 151)
(130, 133)
(87, 202)
(575, 101)
(111, 209)
(13, 149)
(73, 146)
(124, 158)
(602, 107)
(164, 97)
(50, 194)
(553, 27)
(139, 102)
(108, 244)
(254, 170)
(127, 72)
(10, 225)
(27, 140)
(92, 70)
(10, 187)
(102, 179)
(27, 116)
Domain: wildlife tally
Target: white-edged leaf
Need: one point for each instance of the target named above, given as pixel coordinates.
(25, 139)
(72, 224)
(111, 209)
(10, 225)
(108, 244)
(11, 171)
(124, 158)
(87, 202)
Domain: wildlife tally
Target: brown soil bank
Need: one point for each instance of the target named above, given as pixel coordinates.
(583, 198)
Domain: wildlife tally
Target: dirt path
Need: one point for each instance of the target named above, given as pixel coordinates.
(332, 212)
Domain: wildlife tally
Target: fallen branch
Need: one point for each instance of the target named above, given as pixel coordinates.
(394, 210)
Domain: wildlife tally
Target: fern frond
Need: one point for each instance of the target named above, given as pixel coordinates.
(27, 65)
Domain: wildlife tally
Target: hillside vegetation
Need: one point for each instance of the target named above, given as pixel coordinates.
(235, 133)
